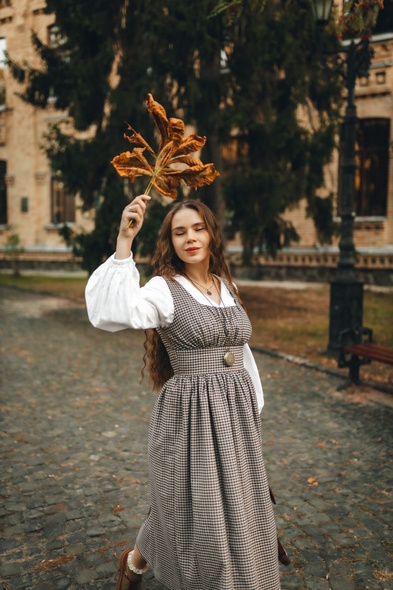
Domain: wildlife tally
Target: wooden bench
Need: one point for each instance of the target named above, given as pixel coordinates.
(358, 349)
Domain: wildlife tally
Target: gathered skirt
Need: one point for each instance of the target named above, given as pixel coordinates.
(210, 525)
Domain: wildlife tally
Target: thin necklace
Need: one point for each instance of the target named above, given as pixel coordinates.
(229, 357)
(195, 283)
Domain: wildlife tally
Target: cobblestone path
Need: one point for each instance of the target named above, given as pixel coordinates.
(74, 481)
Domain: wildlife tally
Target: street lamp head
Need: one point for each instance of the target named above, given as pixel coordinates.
(321, 10)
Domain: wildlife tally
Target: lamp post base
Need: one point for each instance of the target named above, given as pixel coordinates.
(346, 310)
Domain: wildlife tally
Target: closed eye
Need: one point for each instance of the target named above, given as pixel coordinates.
(180, 231)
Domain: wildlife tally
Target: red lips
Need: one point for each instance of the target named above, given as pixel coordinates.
(191, 250)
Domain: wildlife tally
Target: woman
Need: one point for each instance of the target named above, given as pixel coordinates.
(210, 523)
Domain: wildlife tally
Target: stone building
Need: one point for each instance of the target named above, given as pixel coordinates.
(34, 204)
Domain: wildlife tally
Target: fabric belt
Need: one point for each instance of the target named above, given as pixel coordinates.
(205, 360)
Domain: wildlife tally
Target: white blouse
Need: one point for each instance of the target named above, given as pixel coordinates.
(115, 301)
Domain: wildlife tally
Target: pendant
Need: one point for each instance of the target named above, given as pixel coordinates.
(229, 359)
(208, 292)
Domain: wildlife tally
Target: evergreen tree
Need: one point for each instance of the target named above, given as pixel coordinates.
(98, 74)
(285, 108)
(111, 54)
(188, 58)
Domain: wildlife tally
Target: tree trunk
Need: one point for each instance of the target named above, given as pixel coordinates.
(214, 193)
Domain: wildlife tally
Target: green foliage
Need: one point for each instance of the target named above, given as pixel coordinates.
(146, 241)
(359, 17)
(13, 245)
(276, 69)
(13, 249)
(98, 245)
(83, 163)
(75, 71)
(76, 76)
(109, 55)
(321, 210)
(186, 59)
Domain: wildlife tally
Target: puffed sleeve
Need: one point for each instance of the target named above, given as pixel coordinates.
(251, 366)
(115, 301)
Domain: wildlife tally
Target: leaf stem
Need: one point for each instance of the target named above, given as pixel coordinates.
(146, 192)
(148, 188)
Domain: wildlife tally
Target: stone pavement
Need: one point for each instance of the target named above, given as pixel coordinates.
(74, 481)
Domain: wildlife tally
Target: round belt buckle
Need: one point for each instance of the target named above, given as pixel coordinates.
(229, 359)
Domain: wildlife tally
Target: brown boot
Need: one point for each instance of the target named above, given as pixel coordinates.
(124, 580)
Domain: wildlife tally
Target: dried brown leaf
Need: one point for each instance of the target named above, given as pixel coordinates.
(164, 188)
(312, 481)
(165, 155)
(199, 175)
(173, 163)
(132, 164)
(158, 114)
(176, 131)
(192, 143)
(118, 508)
(138, 140)
(187, 160)
(51, 563)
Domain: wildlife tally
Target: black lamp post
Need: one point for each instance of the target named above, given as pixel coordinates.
(346, 292)
(321, 10)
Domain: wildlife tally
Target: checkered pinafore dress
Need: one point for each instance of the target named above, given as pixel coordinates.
(210, 524)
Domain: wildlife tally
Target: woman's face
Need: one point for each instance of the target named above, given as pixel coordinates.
(190, 237)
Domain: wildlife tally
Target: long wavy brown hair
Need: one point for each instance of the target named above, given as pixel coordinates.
(166, 263)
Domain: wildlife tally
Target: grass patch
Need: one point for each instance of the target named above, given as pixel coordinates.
(69, 287)
(296, 322)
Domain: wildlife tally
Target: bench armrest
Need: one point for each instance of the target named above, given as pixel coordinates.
(358, 335)
(349, 337)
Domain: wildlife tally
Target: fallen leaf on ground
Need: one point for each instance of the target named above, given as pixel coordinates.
(50, 563)
(312, 481)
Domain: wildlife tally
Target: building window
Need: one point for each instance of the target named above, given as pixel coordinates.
(371, 176)
(384, 22)
(63, 204)
(3, 193)
(372, 155)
